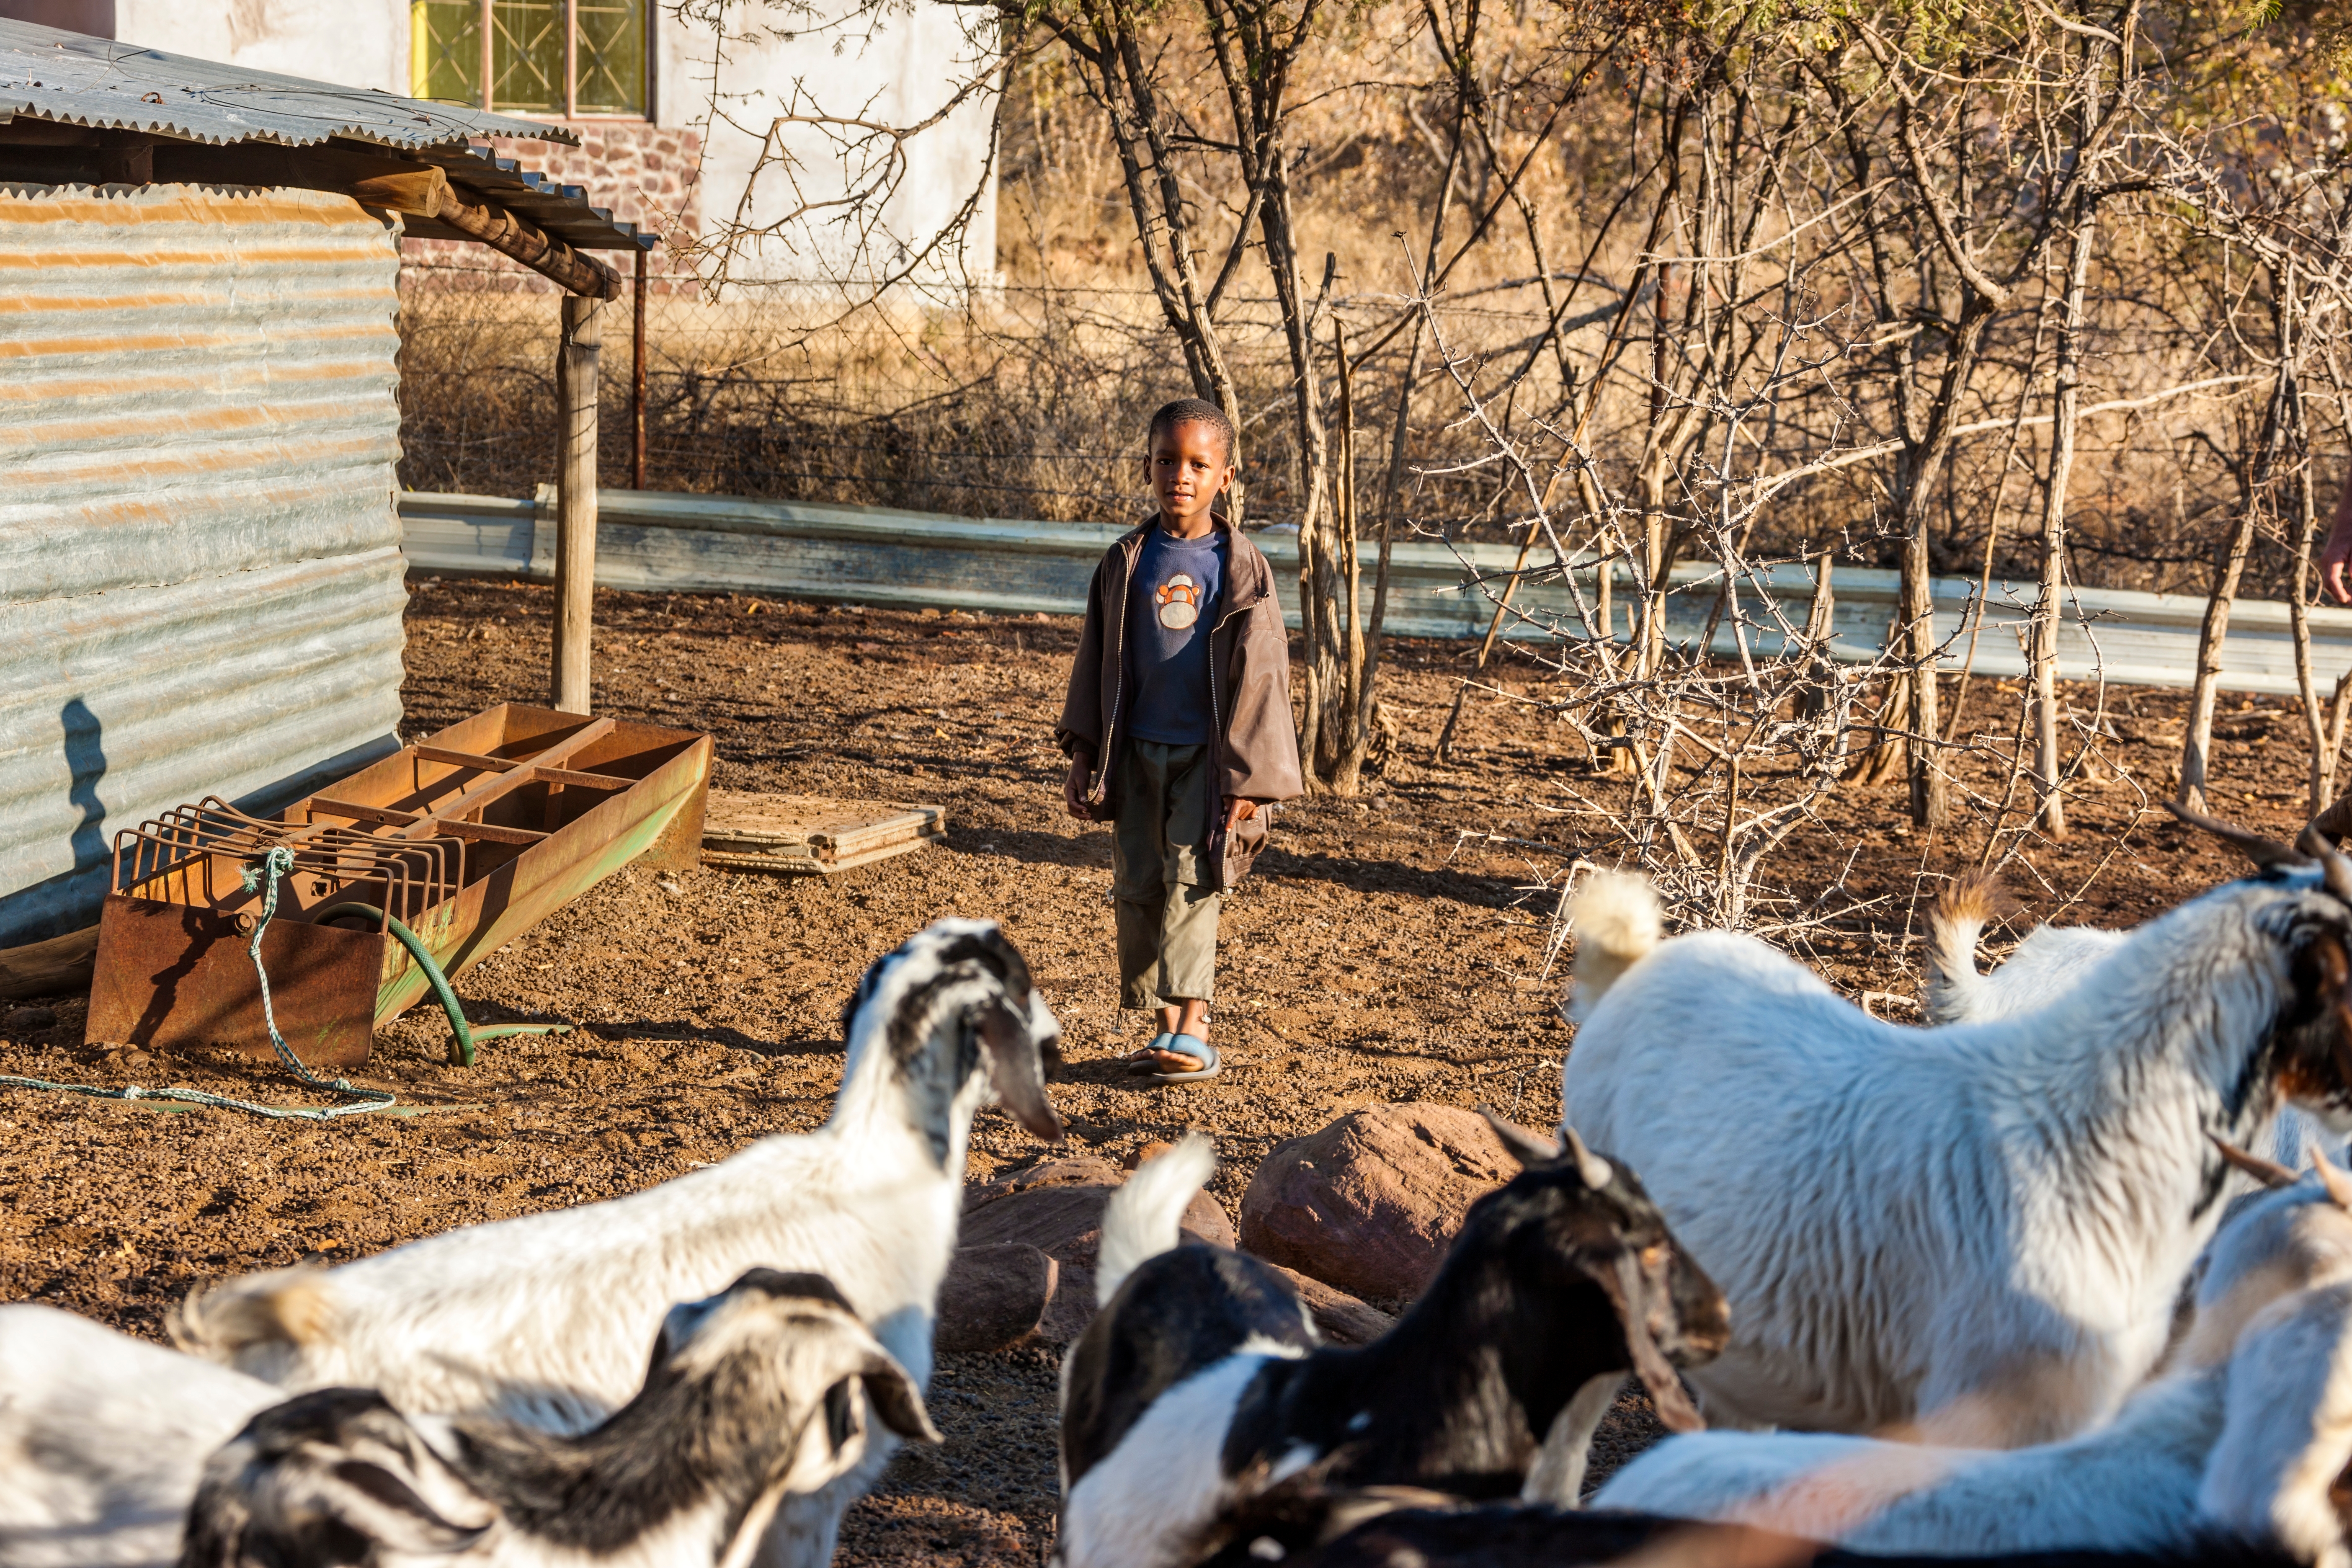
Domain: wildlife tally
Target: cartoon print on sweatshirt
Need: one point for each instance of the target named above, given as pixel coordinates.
(1180, 602)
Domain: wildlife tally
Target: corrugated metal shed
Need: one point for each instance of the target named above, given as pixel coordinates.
(80, 80)
(200, 566)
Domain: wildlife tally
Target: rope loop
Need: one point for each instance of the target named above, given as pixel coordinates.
(262, 876)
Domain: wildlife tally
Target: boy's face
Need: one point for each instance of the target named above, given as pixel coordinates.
(1189, 469)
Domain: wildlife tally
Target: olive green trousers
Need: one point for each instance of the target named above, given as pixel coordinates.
(1160, 844)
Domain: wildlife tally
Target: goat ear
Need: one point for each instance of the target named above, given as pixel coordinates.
(1015, 1070)
(2269, 1172)
(1527, 1148)
(897, 1401)
(1622, 1283)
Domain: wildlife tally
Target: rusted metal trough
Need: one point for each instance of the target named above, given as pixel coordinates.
(470, 837)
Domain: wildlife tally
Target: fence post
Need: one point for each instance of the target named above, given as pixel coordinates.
(638, 379)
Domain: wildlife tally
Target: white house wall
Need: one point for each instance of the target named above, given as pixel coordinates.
(903, 72)
(353, 43)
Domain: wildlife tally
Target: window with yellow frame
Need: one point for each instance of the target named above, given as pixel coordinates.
(531, 56)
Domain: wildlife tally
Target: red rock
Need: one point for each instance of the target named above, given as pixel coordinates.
(1371, 1203)
(1057, 1207)
(993, 1296)
(1076, 1170)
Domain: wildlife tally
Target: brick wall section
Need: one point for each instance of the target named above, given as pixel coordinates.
(643, 173)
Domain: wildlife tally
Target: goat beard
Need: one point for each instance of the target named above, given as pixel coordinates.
(1675, 1411)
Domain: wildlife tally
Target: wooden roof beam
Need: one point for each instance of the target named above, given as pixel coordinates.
(427, 193)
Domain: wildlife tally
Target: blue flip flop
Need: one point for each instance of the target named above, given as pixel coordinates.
(1133, 1061)
(1196, 1047)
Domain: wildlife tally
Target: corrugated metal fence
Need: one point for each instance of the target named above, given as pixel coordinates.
(200, 565)
(869, 555)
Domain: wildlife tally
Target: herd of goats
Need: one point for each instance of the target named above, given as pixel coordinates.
(2011, 1286)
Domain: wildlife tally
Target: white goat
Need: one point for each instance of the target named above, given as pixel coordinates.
(752, 1396)
(2213, 1447)
(2288, 1433)
(2046, 963)
(544, 1319)
(101, 1439)
(2049, 962)
(1984, 1225)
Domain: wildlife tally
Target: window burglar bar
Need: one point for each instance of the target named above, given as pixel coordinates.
(567, 57)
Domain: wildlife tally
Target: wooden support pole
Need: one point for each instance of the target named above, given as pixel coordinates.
(576, 360)
(637, 380)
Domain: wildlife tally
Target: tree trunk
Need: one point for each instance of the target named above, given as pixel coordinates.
(1320, 566)
(2066, 398)
(1919, 719)
(2196, 746)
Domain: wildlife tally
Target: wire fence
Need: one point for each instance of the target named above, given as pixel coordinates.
(1030, 402)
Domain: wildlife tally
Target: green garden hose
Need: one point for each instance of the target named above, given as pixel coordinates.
(462, 1034)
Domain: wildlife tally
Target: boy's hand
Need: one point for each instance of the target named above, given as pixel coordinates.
(1238, 810)
(1074, 785)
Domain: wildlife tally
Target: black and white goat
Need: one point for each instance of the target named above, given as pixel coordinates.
(1984, 1225)
(1201, 1378)
(752, 1396)
(544, 1319)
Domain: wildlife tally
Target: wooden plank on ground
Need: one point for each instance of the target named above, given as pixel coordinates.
(812, 835)
(60, 963)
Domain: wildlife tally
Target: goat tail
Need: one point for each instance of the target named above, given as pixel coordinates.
(283, 1307)
(1617, 919)
(1143, 1217)
(1948, 993)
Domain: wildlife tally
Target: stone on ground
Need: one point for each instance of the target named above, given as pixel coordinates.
(1338, 1317)
(1057, 1209)
(993, 1296)
(1371, 1203)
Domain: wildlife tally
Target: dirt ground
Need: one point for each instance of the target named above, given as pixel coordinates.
(1378, 954)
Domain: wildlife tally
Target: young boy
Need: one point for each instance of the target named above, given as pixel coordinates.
(1178, 729)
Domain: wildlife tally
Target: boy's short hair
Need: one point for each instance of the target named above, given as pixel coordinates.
(1192, 411)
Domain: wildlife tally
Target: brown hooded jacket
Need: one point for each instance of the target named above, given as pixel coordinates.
(1256, 747)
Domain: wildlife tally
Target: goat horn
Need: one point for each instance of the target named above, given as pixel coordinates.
(2336, 821)
(2269, 1172)
(1595, 1170)
(2334, 1177)
(2333, 865)
(1527, 1148)
(2260, 848)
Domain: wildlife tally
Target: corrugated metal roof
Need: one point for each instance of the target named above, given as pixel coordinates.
(200, 572)
(79, 80)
